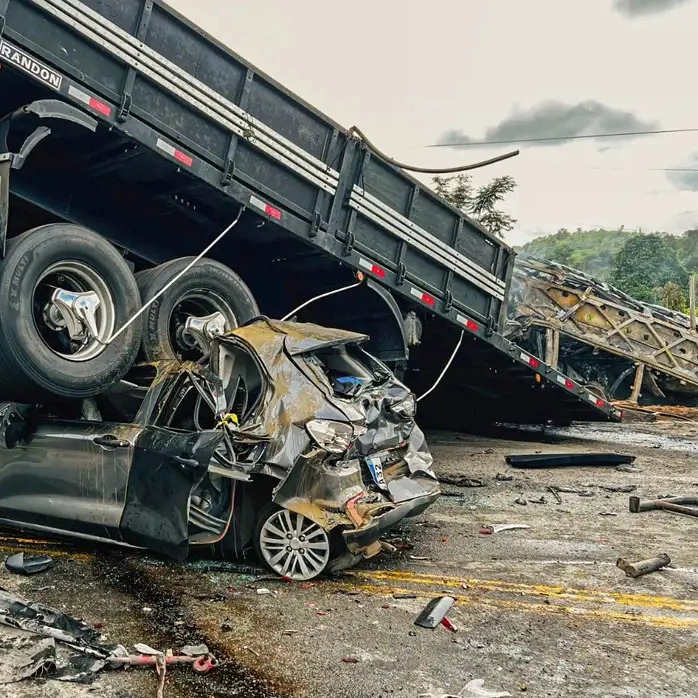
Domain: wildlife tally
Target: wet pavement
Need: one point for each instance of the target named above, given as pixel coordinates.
(541, 611)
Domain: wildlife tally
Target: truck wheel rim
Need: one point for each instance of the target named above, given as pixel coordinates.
(294, 546)
(197, 303)
(53, 320)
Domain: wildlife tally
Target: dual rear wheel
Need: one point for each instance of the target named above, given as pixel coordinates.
(65, 294)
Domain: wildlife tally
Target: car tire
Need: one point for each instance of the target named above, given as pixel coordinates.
(317, 560)
(38, 357)
(208, 286)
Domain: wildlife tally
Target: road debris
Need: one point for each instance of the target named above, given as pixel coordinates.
(201, 665)
(619, 488)
(500, 477)
(637, 569)
(434, 612)
(542, 500)
(19, 563)
(460, 481)
(607, 513)
(476, 689)
(404, 596)
(564, 460)
(554, 492)
(194, 650)
(679, 505)
(521, 501)
(628, 469)
(350, 660)
(499, 528)
(448, 625)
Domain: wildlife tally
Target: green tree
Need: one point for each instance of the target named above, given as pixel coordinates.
(481, 203)
(671, 296)
(644, 264)
(590, 251)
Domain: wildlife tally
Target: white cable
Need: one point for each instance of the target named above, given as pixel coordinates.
(446, 367)
(317, 298)
(169, 283)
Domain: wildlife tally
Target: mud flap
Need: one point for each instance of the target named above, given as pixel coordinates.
(167, 466)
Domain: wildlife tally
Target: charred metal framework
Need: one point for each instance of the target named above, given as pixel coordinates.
(566, 302)
(160, 85)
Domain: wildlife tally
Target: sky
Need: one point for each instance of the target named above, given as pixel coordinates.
(412, 73)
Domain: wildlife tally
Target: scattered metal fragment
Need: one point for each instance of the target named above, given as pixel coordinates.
(628, 469)
(554, 491)
(448, 625)
(500, 477)
(475, 689)
(25, 656)
(637, 569)
(607, 513)
(460, 481)
(521, 501)
(619, 488)
(194, 650)
(416, 557)
(350, 660)
(146, 649)
(560, 460)
(542, 500)
(434, 612)
(404, 596)
(675, 504)
(19, 563)
(263, 592)
(201, 665)
(499, 528)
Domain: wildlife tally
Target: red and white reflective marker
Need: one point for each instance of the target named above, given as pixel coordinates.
(267, 208)
(470, 324)
(565, 381)
(88, 100)
(530, 360)
(373, 268)
(424, 297)
(168, 148)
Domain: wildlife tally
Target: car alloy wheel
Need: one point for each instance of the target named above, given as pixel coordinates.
(293, 545)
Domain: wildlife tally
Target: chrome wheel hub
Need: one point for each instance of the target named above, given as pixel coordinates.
(294, 546)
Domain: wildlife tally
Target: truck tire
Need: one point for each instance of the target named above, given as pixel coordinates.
(208, 287)
(39, 355)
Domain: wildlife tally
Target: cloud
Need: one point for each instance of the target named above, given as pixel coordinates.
(641, 8)
(552, 119)
(685, 176)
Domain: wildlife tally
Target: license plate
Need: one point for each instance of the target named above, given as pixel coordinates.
(375, 467)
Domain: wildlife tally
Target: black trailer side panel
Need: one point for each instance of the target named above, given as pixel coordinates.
(179, 81)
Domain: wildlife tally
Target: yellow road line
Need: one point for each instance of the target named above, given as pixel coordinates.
(559, 592)
(570, 612)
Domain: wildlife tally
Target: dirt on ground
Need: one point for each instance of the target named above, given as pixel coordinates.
(542, 611)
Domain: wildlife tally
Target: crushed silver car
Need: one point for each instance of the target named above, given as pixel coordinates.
(289, 440)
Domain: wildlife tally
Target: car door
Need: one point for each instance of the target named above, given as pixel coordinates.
(67, 476)
(167, 465)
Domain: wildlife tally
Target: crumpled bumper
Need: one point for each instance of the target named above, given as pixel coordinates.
(411, 495)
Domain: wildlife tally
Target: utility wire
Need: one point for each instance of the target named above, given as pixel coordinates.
(564, 138)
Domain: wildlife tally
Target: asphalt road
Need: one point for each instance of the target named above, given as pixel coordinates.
(542, 611)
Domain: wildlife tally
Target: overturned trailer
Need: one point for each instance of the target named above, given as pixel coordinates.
(616, 346)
